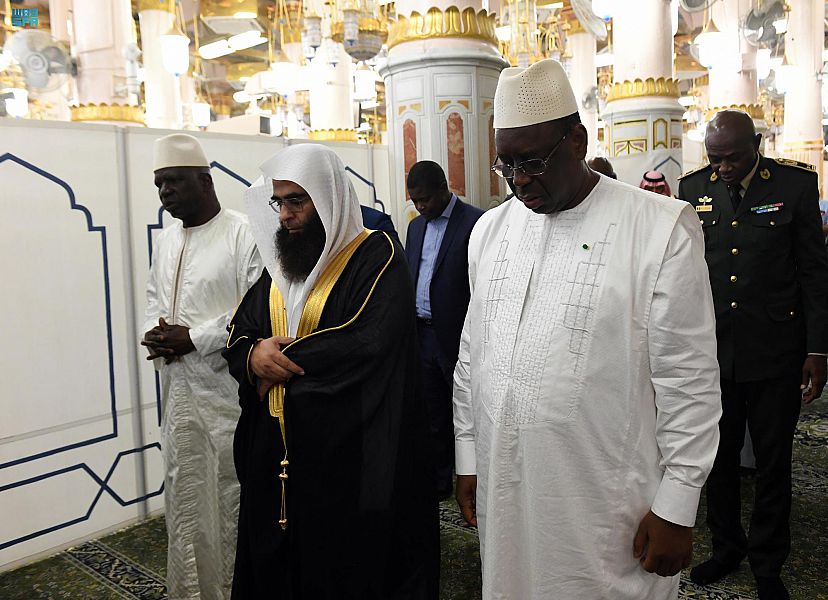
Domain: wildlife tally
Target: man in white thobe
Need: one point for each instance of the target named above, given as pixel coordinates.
(586, 393)
(202, 266)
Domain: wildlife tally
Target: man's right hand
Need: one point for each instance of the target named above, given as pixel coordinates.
(466, 496)
(268, 362)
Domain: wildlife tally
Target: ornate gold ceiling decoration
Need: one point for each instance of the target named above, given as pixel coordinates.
(450, 23)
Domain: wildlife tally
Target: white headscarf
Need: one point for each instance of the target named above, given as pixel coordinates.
(322, 174)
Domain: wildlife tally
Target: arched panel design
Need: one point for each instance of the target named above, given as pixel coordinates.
(409, 150)
(456, 154)
(43, 215)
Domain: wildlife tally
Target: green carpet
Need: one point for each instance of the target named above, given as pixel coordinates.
(132, 563)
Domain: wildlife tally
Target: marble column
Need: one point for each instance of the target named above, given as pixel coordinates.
(803, 101)
(733, 82)
(643, 117)
(103, 29)
(440, 79)
(580, 45)
(162, 90)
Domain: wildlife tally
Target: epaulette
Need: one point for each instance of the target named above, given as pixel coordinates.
(701, 168)
(787, 162)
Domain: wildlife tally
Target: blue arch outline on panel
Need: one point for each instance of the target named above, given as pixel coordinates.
(158, 225)
(73, 205)
(103, 486)
(665, 161)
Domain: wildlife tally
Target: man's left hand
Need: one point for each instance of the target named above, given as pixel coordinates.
(168, 340)
(813, 378)
(662, 547)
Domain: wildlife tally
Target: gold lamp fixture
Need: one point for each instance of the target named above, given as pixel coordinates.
(531, 30)
(359, 27)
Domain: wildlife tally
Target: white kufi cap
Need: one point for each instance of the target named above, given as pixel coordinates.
(533, 95)
(178, 150)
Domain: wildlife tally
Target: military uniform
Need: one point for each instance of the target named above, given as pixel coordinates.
(769, 277)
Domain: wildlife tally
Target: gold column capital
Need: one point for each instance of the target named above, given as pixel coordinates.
(638, 88)
(165, 5)
(755, 111)
(108, 112)
(450, 23)
(333, 135)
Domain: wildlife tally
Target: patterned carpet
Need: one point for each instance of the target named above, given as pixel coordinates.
(131, 564)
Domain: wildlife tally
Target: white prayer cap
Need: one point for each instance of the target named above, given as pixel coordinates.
(178, 150)
(533, 95)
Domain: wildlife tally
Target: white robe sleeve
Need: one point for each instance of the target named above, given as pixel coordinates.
(685, 372)
(152, 312)
(464, 448)
(210, 337)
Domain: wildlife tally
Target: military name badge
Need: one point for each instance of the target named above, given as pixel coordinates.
(704, 204)
(766, 208)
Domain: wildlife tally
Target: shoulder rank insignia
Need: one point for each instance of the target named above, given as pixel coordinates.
(764, 174)
(688, 173)
(787, 162)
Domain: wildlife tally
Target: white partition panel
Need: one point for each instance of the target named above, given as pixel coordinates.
(67, 443)
(80, 447)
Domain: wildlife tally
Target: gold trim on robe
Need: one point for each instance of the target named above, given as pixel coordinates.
(311, 314)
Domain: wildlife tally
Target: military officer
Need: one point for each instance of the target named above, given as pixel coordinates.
(769, 276)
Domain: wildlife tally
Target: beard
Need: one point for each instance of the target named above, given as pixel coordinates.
(299, 252)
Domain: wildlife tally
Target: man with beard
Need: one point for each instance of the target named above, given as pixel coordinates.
(330, 449)
(202, 265)
(586, 390)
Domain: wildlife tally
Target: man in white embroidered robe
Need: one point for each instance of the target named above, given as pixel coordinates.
(202, 266)
(586, 393)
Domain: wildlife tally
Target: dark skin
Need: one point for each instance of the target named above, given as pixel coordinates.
(662, 547)
(733, 147)
(567, 179)
(186, 193)
(430, 203)
(267, 360)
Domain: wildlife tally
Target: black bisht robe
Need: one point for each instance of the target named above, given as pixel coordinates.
(361, 509)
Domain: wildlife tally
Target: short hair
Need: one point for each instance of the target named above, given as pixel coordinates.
(427, 175)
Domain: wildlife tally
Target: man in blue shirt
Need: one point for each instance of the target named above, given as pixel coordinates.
(437, 251)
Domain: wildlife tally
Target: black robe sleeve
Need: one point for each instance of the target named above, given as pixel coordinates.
(374, 305)
(250, 323)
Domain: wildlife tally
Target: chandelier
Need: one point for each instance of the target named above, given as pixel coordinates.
(356, 24)
(528, 32)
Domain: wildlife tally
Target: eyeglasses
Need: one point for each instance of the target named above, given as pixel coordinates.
(532, 167)
(293, 204)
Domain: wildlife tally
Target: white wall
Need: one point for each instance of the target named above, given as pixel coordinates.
(79, 436)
